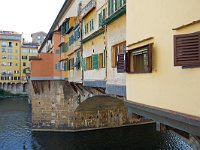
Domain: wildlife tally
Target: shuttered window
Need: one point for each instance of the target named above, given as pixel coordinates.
(120, 63)
(101, 60)
(89, 63)
(84, 64)
(187, 50)
(95, 61)
(117, 49)
(139, 60)
(63, 48)
(65, 66)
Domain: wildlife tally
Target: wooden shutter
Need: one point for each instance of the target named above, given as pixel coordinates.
(187, 50)
(84, 64)
(127, 61)
(95, 61)
(150, 57)
(120, 63)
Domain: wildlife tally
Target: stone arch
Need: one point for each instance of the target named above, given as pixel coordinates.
(101, 111)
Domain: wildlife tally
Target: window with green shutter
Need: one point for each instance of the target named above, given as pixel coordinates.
(84, 64)
(68, 65)
(95, 61)
(91, 24)
(63, 48)
(65, 66)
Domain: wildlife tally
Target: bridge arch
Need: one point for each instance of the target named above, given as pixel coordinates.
(101, 111)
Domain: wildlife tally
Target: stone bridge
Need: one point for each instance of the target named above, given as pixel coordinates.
(60, 105)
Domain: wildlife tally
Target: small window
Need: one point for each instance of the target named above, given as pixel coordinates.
(10, 44)
(89, 63)
(117, 49)
(101, 60)
(57, 52)
(24, 57)
(187, 50)
(24, 64)
(139, 60)
(10, 57)
(3, 44)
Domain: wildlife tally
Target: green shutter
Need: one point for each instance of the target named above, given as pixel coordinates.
(68, 65)
(95, 61)
(104, 58)
(65, 66)
(84, 64)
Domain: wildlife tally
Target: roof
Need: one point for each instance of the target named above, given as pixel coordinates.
(55, 23)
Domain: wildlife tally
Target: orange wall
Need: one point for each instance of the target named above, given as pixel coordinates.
(56, 41)
(43, 67)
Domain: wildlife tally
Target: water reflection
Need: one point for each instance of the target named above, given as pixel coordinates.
(15, 134)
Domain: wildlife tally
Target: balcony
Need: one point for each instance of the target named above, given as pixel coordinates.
(90, 6)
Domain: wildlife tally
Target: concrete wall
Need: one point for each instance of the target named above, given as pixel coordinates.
(167, 86)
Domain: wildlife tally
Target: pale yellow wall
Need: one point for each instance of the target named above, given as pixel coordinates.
(15, 59)
(96, 44)
(167, 86)
(116, 33)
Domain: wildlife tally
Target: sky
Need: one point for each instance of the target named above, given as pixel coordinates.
(28, 16)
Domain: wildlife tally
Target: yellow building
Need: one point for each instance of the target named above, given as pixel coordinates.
(94, 44)
(163, 61)
(116, 46)
(27, 50)
(10, 49)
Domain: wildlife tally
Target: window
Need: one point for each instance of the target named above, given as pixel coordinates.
(16, 44)
(25, 51)
(115, 5)
(16, 64)
(24, 57)
(91, 25)
(77, 33)
(117, 49)
(3, 57)
(101, 60)
(9, 63)
(24, 64)
(89, 63)
(187, 50)
(3, 64)
(86, 28)
(57, 52)
(9, 72)
(3, 50)
(102, 16)
(9, 56)
(71, 64)
(3, 44)
(139, 60)
(9, 50)
(10, 44)
(16, 72)
(16, 51)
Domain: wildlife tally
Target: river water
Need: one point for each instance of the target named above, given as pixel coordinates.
(16, 134)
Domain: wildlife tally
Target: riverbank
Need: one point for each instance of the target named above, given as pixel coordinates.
(6, 94)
